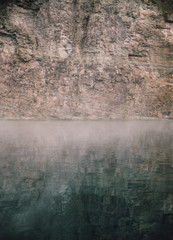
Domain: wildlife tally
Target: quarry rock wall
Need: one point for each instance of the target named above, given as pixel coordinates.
(86, 59)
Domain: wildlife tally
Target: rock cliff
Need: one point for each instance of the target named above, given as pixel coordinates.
(86, 59)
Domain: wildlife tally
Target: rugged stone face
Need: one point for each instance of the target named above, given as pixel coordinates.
(86, 59)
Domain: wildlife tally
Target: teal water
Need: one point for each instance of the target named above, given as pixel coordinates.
(86, 180)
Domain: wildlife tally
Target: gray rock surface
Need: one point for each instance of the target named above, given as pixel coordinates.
(86, 59)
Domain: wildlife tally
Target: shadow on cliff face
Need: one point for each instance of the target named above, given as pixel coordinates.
(166, 7)
(29, 4)
(3, 6)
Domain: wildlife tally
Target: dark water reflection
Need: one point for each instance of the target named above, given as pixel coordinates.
(86, 180)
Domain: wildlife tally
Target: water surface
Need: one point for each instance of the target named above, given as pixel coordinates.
(86, 180)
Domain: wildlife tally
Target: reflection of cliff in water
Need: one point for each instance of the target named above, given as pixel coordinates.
(101, 181)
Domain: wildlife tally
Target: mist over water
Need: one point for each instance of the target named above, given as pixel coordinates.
(86, 180)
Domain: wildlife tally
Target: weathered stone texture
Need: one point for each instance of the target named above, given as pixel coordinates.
(86, 59)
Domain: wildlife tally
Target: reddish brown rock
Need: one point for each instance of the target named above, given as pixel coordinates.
(86, 59)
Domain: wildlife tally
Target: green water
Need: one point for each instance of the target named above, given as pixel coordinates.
(86, 180)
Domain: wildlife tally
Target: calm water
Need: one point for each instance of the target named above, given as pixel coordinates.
(86, 180)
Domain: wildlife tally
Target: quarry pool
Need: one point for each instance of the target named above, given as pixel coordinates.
(64, 180)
